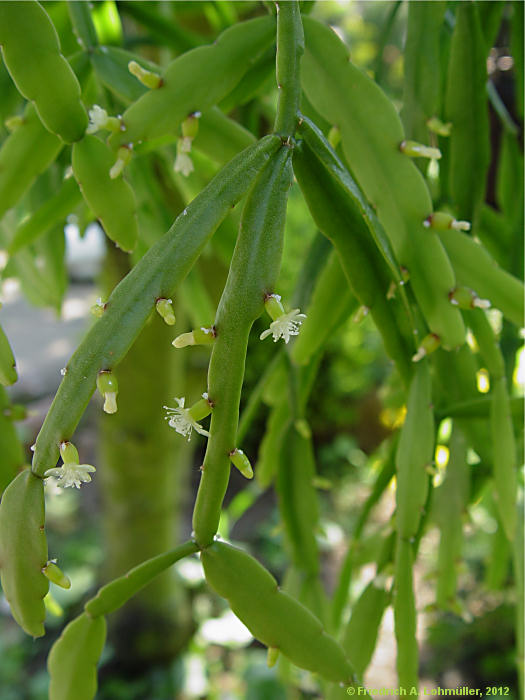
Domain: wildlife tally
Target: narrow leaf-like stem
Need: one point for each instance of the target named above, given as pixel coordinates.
(290, 47)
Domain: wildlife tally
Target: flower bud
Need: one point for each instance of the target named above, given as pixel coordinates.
(466, 298)
(419, 150)
(334, 137)
(241, 461)
(98, 308)
(124, 154)
(12, 123)
(273, 655)
(56, 575)
(429, 344)
(198, 336)
(438, 127)
(360, 314)
(165, 309)
(108, 386)
(146, 77)
(441, 221)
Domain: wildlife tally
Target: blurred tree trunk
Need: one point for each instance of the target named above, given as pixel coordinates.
(144, 475)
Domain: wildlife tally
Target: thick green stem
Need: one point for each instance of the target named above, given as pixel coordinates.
(253, 274)
(290, 47)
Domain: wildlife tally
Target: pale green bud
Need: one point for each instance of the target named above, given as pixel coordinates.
(441, 221)
(146, 77)
(439, 127)
(124, 154)
(241, 461)
(429, 344)
(334, 137)
(466, 298)
(198, 336)
(165, 309)
(56, 575)
(272, 656)
(419, 150)
(108, 386)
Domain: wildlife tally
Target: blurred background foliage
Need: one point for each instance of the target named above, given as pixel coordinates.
(355, 404)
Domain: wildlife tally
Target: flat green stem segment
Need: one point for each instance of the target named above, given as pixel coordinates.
(290, 47)
(73, 659)
(114, 594)
(156, 275)
(196, 81)
(274, 617)
(371, 133)
(253, 273)
(23, 551)
(25, 153)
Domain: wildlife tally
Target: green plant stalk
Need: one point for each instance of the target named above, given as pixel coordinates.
(253, 274)
(143, 467)
(290, 47)
(155, 276)
(117, 592)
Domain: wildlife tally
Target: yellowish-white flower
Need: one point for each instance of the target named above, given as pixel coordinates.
(284, 326)
(184, 420)
(183, 163)
(98, 119)
(71, 474)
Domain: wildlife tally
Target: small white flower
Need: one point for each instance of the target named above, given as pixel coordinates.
(182, 421)
(98, 119)
(284, 326)
(183, 164)
(71, 474)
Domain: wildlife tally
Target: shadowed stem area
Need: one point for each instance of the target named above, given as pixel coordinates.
(143, 472)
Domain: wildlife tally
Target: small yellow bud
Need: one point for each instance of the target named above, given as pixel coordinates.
(56, 575)
(241, 461)
(419, 150)
(146, 77)
(165, 309)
